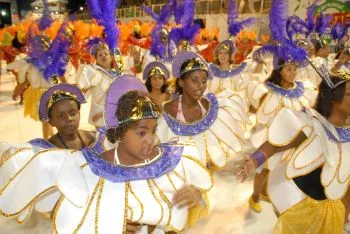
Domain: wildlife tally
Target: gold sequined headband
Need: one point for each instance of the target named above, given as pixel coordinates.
(143, 109)
(194, 64)
(59, 95)
(156, 71)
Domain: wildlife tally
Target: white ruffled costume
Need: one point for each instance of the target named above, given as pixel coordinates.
(97, 80)
(319, 150)
(88, 203)
(216, 141)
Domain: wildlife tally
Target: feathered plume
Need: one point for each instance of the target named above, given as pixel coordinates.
(278, 19)
(296, 26)
(235, 26)
(323, 22)
(310, 16)
(104, 13)
(178, 10)
(46, 20)
(53, 60)
(57, 56)
(158, 49)
(188, 30)
(339, 31)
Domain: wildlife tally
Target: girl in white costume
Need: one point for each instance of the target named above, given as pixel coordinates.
(311, 172)
(215, 123)
(97, 78)
(135, 187)
(225, 74)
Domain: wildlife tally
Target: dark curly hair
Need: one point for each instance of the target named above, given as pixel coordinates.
(275, 76)
(149, 85)
(124, 110)
(327, 96)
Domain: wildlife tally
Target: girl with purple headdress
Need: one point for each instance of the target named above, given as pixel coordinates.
(156, 76)
(136, 187)
(309, 149)
(225, 74)
(282, 89)
(215, 123)
(45, 66)
(109, 63)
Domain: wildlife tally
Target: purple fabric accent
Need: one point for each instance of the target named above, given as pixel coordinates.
(184, 56)
(186, 129)
(98, 146)
(297, 92)
(343, 134)
(323, 22)
(44, 99)
(167, 162)
(41, 143)
(151, 65)
(118, 88)
(215, 69)
(259, 157)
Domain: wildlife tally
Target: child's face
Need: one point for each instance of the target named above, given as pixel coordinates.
(65, 116)
(139, 141)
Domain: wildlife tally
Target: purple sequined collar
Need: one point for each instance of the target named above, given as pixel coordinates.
(170, 158)
(191, 129)
(215, 69)
(343, 134)
(41, 143)
(296, 92)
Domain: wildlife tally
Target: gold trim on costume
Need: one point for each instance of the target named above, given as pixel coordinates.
(139, 201)
(157, 200)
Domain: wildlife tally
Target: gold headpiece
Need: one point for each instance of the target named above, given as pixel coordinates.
(193, 64)
(156, 71)
(143, 109)
(59, 95)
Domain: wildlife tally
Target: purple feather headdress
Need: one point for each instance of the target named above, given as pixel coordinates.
(296, 27)
(188, 29)
(339, 31)
(282, 32)
(104, 13)
(46, 20)
(278, 20)
(158, 49)
(235, 26)
(53, 60)
(310, 17)
(322, 24)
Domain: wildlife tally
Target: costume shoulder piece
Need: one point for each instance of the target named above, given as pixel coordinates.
(92, 75)
(219, 73)
(325, 147)
(276, 98)
(218, 134)
(167, 161)
(235, 79)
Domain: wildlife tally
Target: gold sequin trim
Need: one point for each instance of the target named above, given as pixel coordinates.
(157, 200)
(97, 210)
(139, 201)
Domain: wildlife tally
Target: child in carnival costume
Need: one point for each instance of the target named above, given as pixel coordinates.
(109, 65)
(137, 186)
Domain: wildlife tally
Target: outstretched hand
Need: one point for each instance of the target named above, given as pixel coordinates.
(247, 168)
